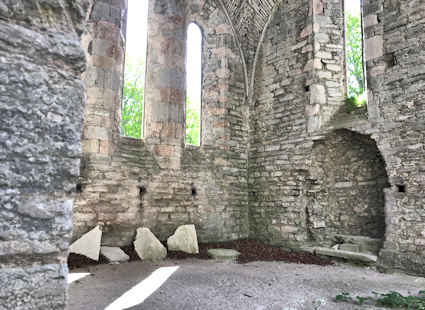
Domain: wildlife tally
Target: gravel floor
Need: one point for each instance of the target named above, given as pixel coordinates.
(208, 285)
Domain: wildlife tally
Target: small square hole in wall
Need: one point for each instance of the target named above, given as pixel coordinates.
(142, 190)
(307, 88)
(194, 191)
(401, 188)
(79, 188)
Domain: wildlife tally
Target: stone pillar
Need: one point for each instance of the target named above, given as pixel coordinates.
(41, 108)
(164, 115)
(104, 44)
(374, 52)
(327, 67)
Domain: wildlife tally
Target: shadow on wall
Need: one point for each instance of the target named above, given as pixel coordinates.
(346, 194)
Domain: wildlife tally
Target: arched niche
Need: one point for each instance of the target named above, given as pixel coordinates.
(346, 196)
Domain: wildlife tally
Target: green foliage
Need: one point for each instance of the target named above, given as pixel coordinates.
(354, 54)
(356, 102)
(192, 122)
(343, 297)
(389, 300)
(132, 103)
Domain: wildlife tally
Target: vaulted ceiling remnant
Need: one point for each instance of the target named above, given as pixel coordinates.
(249, 18)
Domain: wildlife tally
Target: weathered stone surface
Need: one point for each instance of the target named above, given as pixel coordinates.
(41, 111)
(277, 154)
(148, 247)
(349, 247)
(184, 239)
(352, 256)
(114, 254)
(365, 244)
(114, 168)
(224, 254)
(89, 244)
(28, 288)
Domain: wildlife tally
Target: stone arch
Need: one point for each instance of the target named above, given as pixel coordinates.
(347, 191)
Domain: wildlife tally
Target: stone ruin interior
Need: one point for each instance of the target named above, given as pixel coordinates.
(281, 160)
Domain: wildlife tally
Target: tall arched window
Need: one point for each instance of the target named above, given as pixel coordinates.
(354, 52)
(135, 68)
(193, 84)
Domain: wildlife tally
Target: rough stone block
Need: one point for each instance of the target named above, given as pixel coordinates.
(184, 239)
(223, 254)
(114, 254)
(374, 47)
(89, 244)
(349, 247)
(361, 257)
(318, 94)
(148, 247)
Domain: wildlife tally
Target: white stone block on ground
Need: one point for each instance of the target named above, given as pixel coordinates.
(89, 244)
(114, 254)
(224, 254)
(147, 246)
(184, 239)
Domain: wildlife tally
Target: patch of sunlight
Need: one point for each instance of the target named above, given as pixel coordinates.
(72, 277)
(137, 294)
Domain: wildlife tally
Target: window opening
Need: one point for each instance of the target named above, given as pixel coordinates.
(354, 53)
(134, 69)
(193, 84)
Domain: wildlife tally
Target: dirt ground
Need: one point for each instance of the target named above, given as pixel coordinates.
(194, 284)
(250, 251)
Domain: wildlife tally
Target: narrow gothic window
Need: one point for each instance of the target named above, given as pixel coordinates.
(356, 83)
(134, 71)
(193, 84)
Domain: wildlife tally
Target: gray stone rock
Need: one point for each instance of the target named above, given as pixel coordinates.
(89, 244)
(184, 239)
(147, 246)
(114, 254)
(349, 247)
(365, 244)
(223, 254)
(352, 256)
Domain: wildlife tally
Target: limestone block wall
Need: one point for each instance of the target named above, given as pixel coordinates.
(327, 67)
(401, 111)
(289, 122)
(278, 156)
(346, 192)
(41, 108)
(160, 182)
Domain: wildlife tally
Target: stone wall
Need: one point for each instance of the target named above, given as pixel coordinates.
(159, 182)
(399, 101)
(278, 157)
(287, 146)
(41, 110)
(346, 194)
(271, 165)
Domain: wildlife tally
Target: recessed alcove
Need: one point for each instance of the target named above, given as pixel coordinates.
(349, 196)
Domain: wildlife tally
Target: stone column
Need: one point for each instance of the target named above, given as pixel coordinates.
(374, 53)
(165, 82)
(327, 68)
(41, 108)
(104, 44)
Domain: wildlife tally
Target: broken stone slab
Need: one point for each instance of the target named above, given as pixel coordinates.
(184, 239)
(349, 247)
(366, 244)
(89, 244)
(147, 246)
(114, 254)
(224, 254)
(352, 256)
